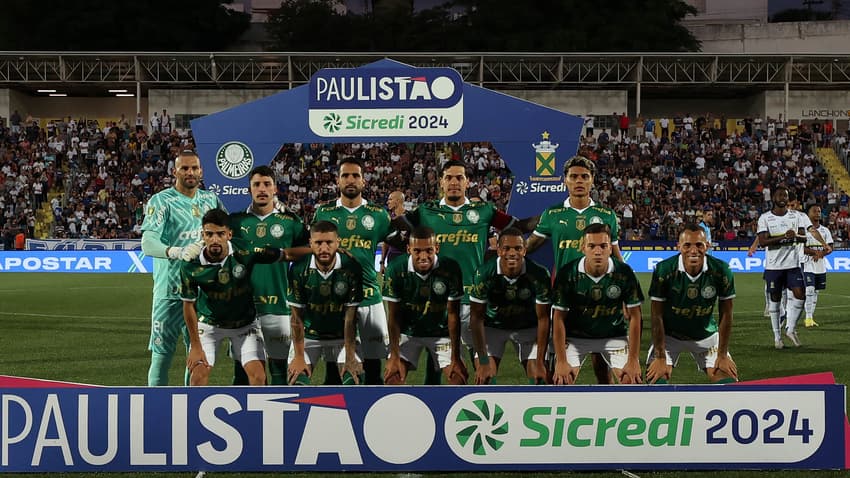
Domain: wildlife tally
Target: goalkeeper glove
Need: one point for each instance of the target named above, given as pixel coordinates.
(186, 253)
(192, 251)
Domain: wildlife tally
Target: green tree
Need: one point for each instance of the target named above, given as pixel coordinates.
(101, 25)
(574, 25)
(485, 25)
(310, 25)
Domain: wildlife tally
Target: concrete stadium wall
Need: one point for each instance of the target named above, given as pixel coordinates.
(46, 108)
(201, 102)
(5, 110)
(784, 38)
(731, 107)
(578, 102)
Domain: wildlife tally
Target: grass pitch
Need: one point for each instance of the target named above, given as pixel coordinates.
(94, 329)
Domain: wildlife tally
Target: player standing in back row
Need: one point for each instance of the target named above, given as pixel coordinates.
(263, 225)
(172, 231)
(564, 223)
(462, 228)
(362, 226)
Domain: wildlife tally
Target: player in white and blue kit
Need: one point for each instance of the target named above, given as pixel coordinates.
(814, 267)
(779, 231)
(171, 232)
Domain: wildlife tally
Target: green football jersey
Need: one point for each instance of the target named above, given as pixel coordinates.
(222, 291)
(564, 225)
(689, 302)
(177, 220)
(423, 300)
(461, 232)
(280, 230)
(323, 298)
(595, 306)
(511, 303)
(360, 232)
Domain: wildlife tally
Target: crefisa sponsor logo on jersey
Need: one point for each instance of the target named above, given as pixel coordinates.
(545, 178)
(382, 102)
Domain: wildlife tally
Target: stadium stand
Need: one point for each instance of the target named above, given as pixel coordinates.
(76, 178)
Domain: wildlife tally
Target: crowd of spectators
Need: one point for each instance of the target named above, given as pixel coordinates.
(655, 182)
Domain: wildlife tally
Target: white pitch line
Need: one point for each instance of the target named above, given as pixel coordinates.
(64, 316)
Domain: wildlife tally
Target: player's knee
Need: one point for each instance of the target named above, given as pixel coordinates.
(256, 371)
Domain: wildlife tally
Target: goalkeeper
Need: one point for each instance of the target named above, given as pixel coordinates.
(171, 233)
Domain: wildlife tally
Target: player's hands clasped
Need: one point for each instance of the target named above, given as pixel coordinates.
(191, 251)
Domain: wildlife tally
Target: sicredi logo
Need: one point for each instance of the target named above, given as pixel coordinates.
(552, 428)
(349, 88)
(386, 102)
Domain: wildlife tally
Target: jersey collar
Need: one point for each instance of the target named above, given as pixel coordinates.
(693, 278)
(205, 262)
(582, 269)
(250, 211)
(568, 206)
(499, 271)
(410, 267)
(363, 202)
(455, 208)
(325, 275)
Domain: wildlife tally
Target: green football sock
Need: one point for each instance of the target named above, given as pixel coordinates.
(332, 374)
(372, 372)
(239, 375)
(277, 372)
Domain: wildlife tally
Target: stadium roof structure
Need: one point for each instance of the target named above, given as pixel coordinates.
(93, 73)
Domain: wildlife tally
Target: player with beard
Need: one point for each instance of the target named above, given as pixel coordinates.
(362, 226)
(325, 289)
(171, 232)
(218, 301)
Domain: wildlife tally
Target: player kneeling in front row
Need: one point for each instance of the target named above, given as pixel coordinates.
(510, 301)
(588, 298)
(683, 291)
(325, 289)
(218, 301)
(423, 292)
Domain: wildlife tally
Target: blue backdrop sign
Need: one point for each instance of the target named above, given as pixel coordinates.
(394, 429)
(645, 261)
(75, 261)
(390, 100)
